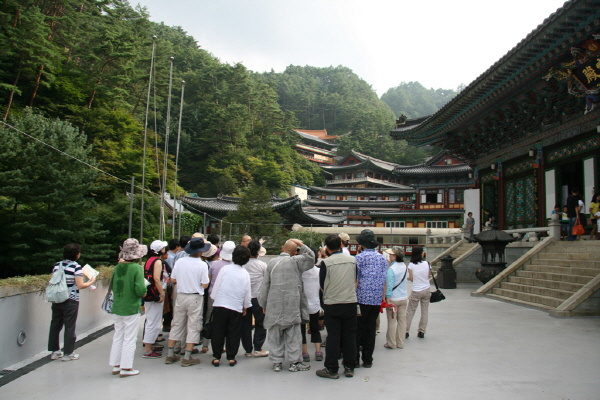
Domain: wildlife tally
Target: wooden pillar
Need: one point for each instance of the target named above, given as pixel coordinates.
(500, 196)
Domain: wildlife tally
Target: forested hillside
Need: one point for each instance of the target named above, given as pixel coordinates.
(336, 99)
(414, 100)
(74, 78)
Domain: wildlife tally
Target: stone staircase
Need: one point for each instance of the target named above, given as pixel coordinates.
(552, 276)
(463, 248)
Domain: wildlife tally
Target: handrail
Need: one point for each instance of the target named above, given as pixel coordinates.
(448, 251)
(513, 267)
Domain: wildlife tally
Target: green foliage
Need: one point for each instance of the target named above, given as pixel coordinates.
(414, 100)
(255, 216)
(312, 239)
(190, 223)
(47, 197)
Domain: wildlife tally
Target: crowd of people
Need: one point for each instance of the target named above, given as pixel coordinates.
(219, 295)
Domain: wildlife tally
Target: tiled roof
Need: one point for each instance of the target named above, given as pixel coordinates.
(364, 191)
(316, 149)
(226, 204)
(434, 170)
(416, 213)
(357, 203)
(321, 134)
(528, 61)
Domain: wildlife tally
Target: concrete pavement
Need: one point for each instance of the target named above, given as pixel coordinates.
(475, 348)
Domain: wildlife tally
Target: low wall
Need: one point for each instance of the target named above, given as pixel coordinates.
(465, 271)
(29, 312)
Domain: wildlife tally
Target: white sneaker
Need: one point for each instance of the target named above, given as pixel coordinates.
(56, 355)
(70, 357)
(125, 372)
(116, 370)
(262, 353)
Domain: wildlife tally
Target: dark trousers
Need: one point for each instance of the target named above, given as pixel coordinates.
(313, 324)
(260, 333)
(340, 320)
(366, 330)
(63, 314)
(226, 330)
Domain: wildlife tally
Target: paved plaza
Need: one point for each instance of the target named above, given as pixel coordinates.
(475, 348)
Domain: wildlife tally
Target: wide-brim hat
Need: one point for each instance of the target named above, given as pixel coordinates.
(132, 250)
(396, 250)
(197, 245)
(367, 239)
(210, 252)
(158, 245)
(227, 250)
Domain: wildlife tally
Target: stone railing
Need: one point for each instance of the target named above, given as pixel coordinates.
(523, 235)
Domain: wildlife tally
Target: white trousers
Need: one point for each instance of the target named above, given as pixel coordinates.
(154, 313)
(123, 346)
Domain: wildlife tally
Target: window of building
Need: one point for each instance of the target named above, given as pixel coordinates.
(413, 240)
(436, 224)
(338, 177)
(394, 224)
(360, 174)
(351, 198)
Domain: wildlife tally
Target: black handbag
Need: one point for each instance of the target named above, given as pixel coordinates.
(437, 295)
(206, 331)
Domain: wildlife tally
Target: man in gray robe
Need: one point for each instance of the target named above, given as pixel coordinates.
(284, 303)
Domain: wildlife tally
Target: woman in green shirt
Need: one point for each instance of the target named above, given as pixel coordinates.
(128, 288)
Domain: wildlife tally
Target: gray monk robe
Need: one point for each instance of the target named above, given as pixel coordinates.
(282, 295)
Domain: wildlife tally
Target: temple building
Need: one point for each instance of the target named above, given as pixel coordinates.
(372, 192)
(528, 125)
(317, 146)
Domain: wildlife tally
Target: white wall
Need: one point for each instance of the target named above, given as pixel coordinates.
(472, 204)
(588, 182)
(30, 312)
(550, 184)
(300, 192)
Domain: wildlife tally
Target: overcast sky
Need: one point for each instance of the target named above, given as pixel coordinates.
(439, 43)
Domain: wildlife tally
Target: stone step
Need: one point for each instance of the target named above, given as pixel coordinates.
(561, 262)
(575, 247)
(553, 277)
(568, 256)
(537, 290)
(556, 284)
(562, 270)
(528, 297)
(521, 302)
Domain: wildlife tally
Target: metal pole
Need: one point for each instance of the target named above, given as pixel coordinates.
(177, 161)
(162, 231)
(146, 140)
(131, 193)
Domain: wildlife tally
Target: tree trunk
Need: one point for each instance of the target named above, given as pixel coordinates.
(12, 92)
(38, 78)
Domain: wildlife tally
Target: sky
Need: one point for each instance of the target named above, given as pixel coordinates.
(439, 43)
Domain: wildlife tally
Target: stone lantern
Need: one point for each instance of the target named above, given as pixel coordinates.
(493, 243)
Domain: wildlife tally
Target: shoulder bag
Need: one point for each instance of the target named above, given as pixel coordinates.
(107, 304)
(437, 295)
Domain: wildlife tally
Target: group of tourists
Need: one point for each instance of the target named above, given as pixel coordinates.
(572, 215)
(221, 295)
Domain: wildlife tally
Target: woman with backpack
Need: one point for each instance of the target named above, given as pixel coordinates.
(155, 272)
(65, 313)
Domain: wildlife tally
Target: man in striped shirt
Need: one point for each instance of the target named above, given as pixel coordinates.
(65, 313)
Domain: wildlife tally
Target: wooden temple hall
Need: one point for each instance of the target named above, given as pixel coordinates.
(529, 125)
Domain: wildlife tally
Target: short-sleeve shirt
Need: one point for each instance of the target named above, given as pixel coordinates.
(420, 274)
(72, 269)
(191, 273)
(371, 271)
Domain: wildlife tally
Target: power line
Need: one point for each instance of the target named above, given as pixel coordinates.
(75, 158)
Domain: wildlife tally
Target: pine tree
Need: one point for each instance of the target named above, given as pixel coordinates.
(46, 197)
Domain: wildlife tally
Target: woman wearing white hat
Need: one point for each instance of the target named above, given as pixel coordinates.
(155, 273)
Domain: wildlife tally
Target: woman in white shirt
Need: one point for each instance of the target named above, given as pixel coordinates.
(418, 274)
(231, 295)
(396, 295)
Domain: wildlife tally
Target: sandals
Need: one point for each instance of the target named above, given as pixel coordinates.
(215, 362)
(232, 363)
